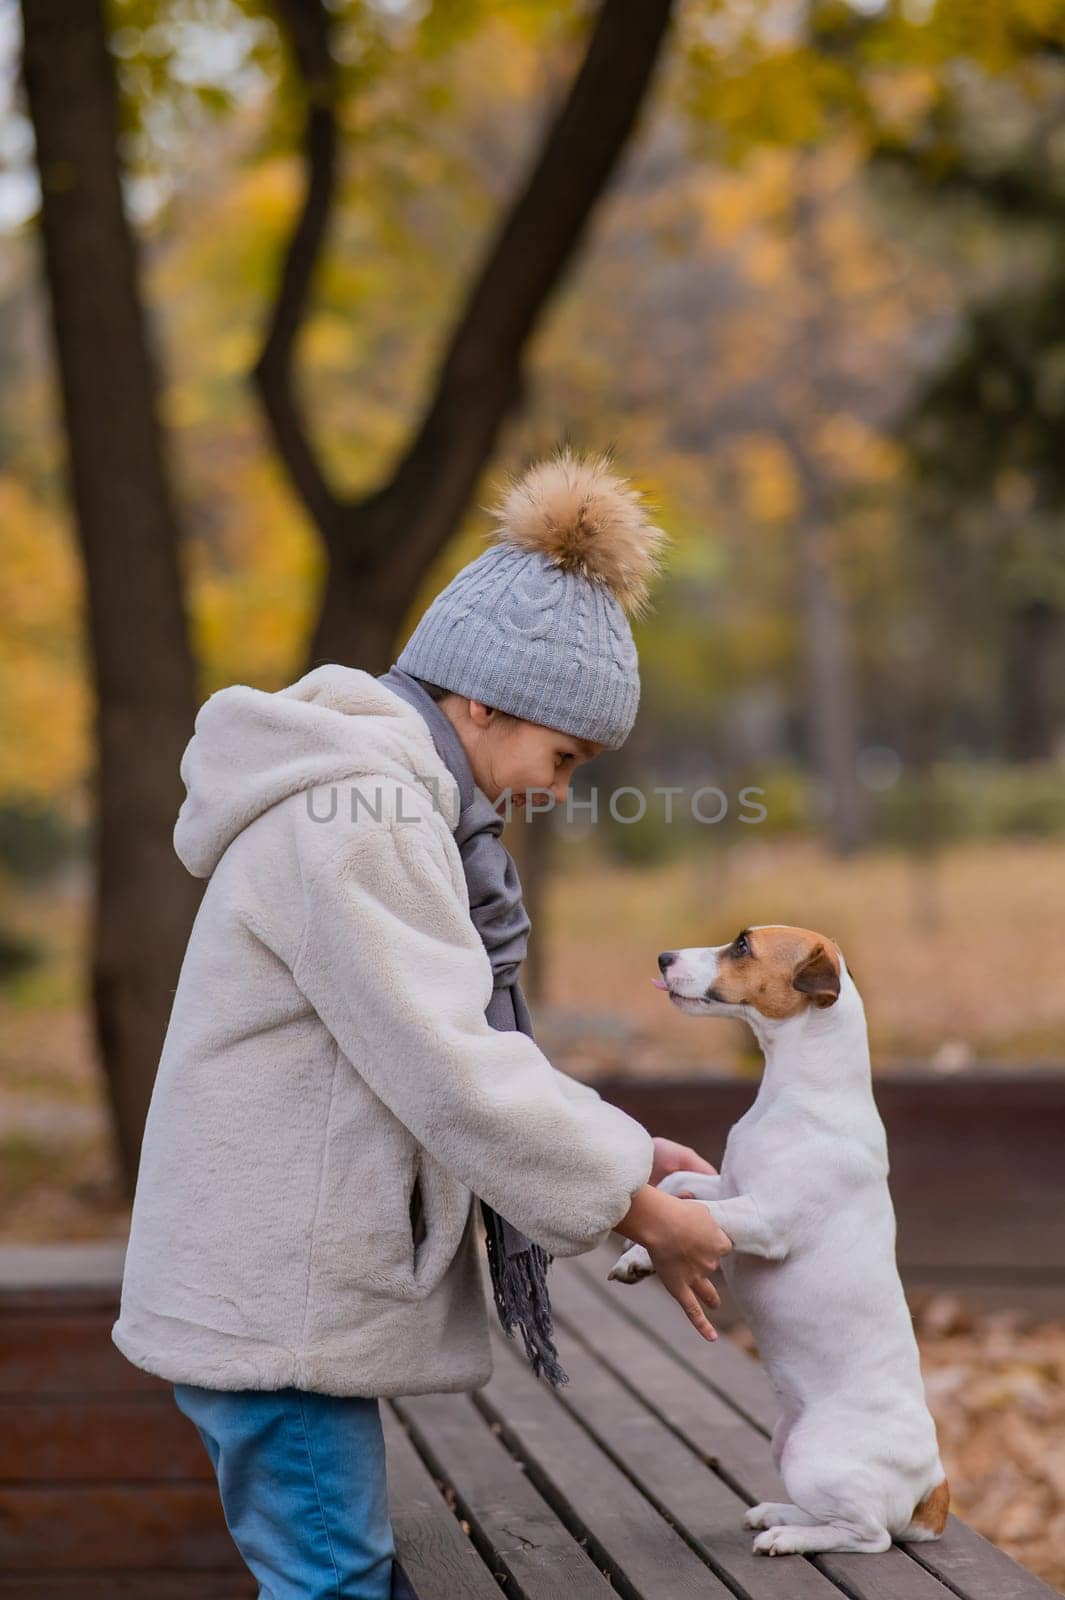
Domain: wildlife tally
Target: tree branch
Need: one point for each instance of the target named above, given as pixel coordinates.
(307, 25)
(535, 243)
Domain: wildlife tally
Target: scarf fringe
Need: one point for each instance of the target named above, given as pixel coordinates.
(519, 1287)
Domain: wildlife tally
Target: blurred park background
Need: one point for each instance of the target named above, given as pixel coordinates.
(286, 288)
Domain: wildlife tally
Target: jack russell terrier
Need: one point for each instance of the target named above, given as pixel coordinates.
(803, 1195)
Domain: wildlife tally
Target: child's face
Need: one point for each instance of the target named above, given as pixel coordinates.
(520, 756)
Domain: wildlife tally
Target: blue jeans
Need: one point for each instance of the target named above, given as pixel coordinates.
(302, 1482)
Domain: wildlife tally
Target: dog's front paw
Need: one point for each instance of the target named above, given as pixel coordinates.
(633, 1265)
(778, 1542)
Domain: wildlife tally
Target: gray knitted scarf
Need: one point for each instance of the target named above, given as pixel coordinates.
(518, 1267)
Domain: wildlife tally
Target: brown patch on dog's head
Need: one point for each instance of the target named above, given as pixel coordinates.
(931, 1512)
(778, 970)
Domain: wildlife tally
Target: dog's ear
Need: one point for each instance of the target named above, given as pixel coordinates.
(818, 976)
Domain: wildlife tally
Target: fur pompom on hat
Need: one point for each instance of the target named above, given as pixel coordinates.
(584, 519)
(538, 625)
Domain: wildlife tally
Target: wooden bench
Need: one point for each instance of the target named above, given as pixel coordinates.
(631, 1481)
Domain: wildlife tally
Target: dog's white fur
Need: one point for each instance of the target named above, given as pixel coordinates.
(803, 1196)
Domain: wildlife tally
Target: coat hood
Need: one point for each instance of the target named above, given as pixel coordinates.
(251, 749)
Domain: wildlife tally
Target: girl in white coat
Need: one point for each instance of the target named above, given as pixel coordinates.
(336, 1085)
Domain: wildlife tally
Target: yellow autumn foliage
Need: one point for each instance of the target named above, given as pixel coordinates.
(768, 485)
(45, 695)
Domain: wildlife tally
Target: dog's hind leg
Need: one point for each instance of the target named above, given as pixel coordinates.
(841, 1496)
(790, 1540)
(929, 1517)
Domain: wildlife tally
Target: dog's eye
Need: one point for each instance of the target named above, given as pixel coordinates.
(740, 945)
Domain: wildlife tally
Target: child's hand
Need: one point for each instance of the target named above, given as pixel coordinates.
(685, 1245)
(685, 1257)
(673, 1157)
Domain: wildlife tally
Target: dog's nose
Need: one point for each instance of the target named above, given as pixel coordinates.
(666, 960)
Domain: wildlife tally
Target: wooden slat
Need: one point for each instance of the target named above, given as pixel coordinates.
(43, 1354)
(972, 1566)
(643, 1555)
(514, 1526)
(686, 1491)
(436, 1555)
(629, 1349)
(717, 1432)
(114, 1585)
(113, 1526)
(142, 1438)
(740, 1381)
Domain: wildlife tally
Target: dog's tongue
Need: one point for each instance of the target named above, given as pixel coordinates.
(660, 983)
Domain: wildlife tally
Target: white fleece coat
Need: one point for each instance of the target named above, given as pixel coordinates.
(327, 1052)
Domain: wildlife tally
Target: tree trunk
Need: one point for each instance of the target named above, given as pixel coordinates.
(144, 900)
(378, 549)
(1033, 672)
(831, 709)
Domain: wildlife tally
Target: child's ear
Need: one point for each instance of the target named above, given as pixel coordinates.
(818, 976)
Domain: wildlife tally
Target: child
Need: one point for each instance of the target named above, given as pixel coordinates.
(349, 1061)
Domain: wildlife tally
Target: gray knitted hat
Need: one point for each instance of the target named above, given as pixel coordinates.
(538, 624)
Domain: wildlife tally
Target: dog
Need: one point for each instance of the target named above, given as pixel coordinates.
(803, 1195)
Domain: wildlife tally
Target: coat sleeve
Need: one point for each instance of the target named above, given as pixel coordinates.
(393, 965)
(574, 1089)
